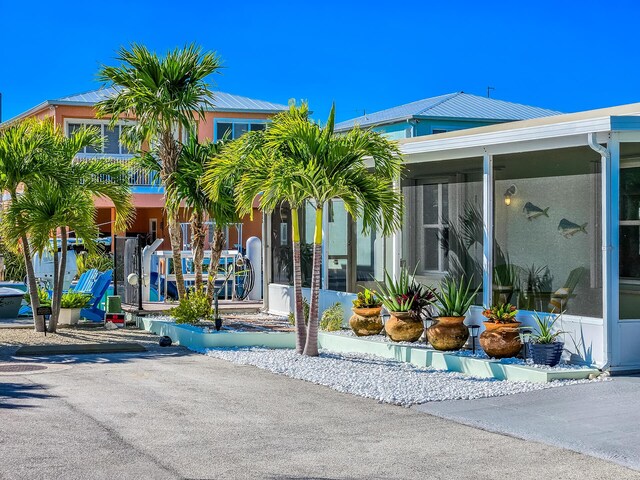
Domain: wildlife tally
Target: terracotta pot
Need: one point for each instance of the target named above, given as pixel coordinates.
(448, 333)
(501, 340)
(366, 321)
(403, 327)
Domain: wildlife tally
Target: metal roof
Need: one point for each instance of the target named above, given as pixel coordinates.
(458, 105)
(222, 101)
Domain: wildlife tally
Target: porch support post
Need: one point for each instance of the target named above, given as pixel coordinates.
(396, 243)
(610, 249)
(487, 239)
(325, 247)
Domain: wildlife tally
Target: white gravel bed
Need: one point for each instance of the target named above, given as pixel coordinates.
(385, 380)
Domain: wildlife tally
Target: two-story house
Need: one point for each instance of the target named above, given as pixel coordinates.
(231, 116)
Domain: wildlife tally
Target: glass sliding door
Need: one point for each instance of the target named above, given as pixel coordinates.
(547, 231)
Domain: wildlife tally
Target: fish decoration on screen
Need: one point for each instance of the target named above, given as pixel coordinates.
(566, 227)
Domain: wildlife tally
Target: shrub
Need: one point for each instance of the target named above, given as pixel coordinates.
(14, 268)
(367, 299)
(43, 295)
(332, 318)
(100, 261)
(74, 300)
(305, 310)
(193, 308)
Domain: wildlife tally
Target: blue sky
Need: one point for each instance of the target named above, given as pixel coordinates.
(567, 56)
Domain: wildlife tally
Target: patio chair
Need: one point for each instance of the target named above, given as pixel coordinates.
(93, 312)
(560, 298)
(86, 281)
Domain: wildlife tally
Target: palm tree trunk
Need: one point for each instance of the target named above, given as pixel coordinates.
(198, 233)
(32, 286)
(169, 154)
(59, 283)
(301, 328)
(38, 320)
(174, 235)
(216, 252)
(311, 345)
(56, 282)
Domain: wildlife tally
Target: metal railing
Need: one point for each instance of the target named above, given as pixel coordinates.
(138, 176)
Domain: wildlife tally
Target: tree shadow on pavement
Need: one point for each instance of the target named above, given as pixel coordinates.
(16, 395)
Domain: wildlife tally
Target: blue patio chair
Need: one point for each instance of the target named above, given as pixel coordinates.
(86, 281)
(93, 312)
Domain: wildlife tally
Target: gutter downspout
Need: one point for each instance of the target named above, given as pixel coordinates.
(607, 281)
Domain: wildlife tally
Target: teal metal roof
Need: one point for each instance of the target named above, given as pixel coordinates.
(458, 105)
(222, 101)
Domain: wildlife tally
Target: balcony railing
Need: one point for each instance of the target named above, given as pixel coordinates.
(138, 176)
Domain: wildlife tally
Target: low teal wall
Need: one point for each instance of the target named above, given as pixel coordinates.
(194, 338)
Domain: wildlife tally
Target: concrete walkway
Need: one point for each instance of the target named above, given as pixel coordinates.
(601, 419)
(169, 414)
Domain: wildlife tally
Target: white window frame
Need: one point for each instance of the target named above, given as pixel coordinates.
(103, 124)
(438, 227)
(153, 228)
(233, 121)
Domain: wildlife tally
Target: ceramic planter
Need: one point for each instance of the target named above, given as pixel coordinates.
(548, 354)
(69, 316)
(448, 333)
(403, 327)
(366, 321)
(501, 340)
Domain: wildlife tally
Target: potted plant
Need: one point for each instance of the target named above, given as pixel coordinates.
(545, 347)
(501, 337)
(451, 304)
(70, 305)
(398, 297)
(366, 318)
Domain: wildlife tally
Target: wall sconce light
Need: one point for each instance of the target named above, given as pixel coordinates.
(511, 191)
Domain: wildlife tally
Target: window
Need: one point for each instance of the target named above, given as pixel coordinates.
(435, 211)
(629, 239)
(232, 129)
(547, 224)
(112, 137)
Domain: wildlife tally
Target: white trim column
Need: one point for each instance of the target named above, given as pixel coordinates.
(611, 250)
(487, 239)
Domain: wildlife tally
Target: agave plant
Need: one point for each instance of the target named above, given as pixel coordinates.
(395, 293)
(544, 333)
(454, 298)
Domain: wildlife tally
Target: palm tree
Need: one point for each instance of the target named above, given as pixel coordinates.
(186, 187)
(167, 96)
(358, 167)
(50, 207)
(24, 158)
(256, 171)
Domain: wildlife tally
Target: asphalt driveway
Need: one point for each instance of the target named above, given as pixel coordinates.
(171, 414)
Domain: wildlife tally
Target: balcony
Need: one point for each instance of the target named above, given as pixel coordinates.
(138, 177)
